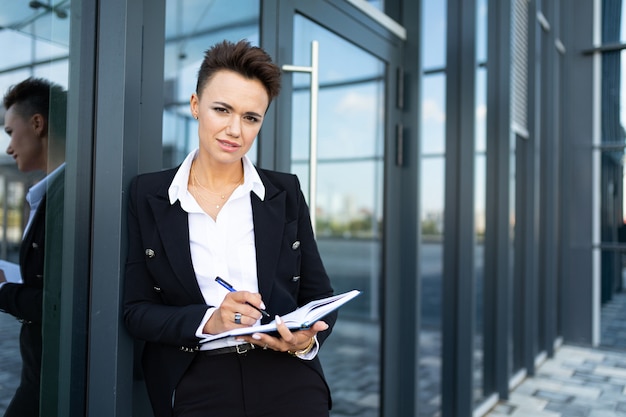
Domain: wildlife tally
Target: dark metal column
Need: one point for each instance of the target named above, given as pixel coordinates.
(497, 234)
(128, 116)
(458, 271)
(577, 283)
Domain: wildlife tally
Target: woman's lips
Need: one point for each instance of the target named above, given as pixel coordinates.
(228, 146)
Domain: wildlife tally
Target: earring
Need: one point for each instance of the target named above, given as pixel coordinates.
(195, 116)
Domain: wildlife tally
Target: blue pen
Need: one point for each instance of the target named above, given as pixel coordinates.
(231, 289)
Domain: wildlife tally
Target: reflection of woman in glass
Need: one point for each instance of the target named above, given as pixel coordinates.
(35, 121)
(217, 215)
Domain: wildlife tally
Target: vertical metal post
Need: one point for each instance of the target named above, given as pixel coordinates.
(5, 217)
(459, 278)
(314, 71)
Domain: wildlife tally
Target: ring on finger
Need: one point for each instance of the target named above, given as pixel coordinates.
(265, 347)
(238, 318)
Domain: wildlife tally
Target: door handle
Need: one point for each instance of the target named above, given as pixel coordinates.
(314, 71)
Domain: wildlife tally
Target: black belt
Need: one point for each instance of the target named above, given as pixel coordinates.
(240, 349)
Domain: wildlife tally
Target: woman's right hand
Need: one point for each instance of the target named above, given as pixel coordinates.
(235, 312)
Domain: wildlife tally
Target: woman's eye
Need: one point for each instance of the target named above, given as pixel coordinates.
(252, 119)
(220, 109)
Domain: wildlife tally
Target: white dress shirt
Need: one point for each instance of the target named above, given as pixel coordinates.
(223, 247)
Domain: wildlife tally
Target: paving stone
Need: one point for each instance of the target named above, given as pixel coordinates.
(569, 410)
(584, 391)
(603, 413)
(610, 372)
(553, 397)
(589, 377)
(504, 409)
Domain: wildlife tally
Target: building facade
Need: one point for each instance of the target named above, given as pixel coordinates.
(463, 161)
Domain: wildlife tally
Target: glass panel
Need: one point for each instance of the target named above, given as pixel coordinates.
(613, 234)
(517, 289)
(480, 185)
(512, 222)
(379, 4)
(434, 28)
(431, 271)
(432, 187)
(38, 35)
(481, 31)
(191, 27)
(433, 131)
(612, 221)
(611, 188)
(349, 202)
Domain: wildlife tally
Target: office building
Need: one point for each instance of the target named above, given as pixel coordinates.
(463, 161)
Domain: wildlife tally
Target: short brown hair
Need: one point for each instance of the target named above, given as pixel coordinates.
(40, 96)
(250, 61)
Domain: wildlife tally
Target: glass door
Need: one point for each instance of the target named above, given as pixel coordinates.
(335, 95)
(344, 182)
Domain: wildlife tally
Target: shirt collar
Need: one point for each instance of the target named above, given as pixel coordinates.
(37, 191)
(178, 187)
(251, 176)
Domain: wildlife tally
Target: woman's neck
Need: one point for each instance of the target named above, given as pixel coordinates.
(216, 177)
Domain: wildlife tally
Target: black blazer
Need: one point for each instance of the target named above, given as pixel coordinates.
(163, 304)
(24, 301)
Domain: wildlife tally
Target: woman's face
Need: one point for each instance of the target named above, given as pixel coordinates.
(28, 140)
(230, 112)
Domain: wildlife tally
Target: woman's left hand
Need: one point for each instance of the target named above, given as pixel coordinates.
(288, 341)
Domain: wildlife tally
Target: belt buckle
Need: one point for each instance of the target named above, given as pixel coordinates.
(244, 348)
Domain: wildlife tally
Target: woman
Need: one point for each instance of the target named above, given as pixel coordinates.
(35, 120)
(216, 215)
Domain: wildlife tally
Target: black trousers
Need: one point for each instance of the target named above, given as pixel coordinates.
(260, 383)
(25, 402)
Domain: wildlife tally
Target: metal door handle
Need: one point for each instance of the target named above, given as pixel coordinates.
(314, 71)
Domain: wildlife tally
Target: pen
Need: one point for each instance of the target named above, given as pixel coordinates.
(231, 289)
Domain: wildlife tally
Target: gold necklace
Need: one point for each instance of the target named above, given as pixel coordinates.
(196, 183)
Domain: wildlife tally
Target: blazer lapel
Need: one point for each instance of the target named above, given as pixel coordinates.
(35, 225)
(269, 219)
(173, 227)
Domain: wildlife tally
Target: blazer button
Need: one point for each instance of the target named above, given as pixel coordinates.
(295, 279)
(149, 253)
(295, 245)
(35, 245)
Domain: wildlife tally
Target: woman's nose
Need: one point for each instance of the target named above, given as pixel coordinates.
(234, 127)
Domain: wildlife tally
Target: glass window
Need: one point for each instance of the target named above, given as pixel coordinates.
(434, 24)
(612, 203)
(480, 185)
(191, 27)
(379, 4)
(38, 37)
(433, 127)
(432, 190)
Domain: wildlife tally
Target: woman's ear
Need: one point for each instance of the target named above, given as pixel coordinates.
(193, 105)
(39, 124)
